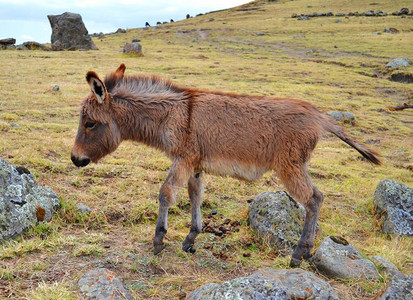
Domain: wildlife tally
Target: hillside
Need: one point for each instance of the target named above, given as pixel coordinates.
(255, 49)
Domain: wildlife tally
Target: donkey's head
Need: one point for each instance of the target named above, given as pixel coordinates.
(98, 133)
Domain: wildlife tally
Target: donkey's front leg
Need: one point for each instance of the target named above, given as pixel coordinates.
(195, 191)
(178, 174)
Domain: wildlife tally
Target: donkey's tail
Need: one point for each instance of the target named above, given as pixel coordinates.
(338, 131)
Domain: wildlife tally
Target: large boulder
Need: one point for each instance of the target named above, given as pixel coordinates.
(400, 288)
(399, 62)
(23, 202)
(393, 202)
(268, 284)
(69, 32)
(278, 217)
(102, 284)
(6, 43)
(336, 258)
(133, 48)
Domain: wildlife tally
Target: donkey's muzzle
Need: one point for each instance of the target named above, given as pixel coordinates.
(80, 162)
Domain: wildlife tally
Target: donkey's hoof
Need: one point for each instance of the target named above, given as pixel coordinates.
(189, 248)
(158, 249)
(295, 262)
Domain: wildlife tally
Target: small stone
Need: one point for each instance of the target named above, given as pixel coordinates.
(83, 208)
(337, 21)
(102, 284)
(136, 40)
(303, 18)
(260, 34)
(342, 116)
(214, 212)
(56, 88)
(399, 62)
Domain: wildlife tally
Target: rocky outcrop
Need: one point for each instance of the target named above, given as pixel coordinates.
(268, 284)
(69, 32)
(393, 202)
(102, 284)
(336, 258)
(7, 43)
(23, 202)
(342, 116)
(278, 217)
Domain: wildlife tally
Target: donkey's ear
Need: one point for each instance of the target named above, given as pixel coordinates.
(97, 86)
(120, 71)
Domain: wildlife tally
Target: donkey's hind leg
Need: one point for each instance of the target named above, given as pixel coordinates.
(195, 191)
(298, 183)
(306, 242)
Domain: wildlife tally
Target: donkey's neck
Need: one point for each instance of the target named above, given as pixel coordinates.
(152, 112)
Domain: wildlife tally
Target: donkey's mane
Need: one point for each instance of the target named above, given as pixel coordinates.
(146, 86)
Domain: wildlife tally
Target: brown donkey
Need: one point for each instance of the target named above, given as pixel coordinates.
(207, 132)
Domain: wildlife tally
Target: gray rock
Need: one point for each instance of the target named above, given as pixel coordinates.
(6, 43)
(340, 14)
(335, 258)
(268, 284)
(303, 18)
(342, 116)
(56, 88)
(278, 217)
(369, 13)
(399, 62)
(21, 47)
(404, 11)
(136, 40)
(83, 208)
(400, 288)
(102, 284)
(121, 30)
(69, 32)
(391, 30)
(133, 48)
(385, 265)
(35, 46)
(337, 20)
(23, 202)
(394, 204)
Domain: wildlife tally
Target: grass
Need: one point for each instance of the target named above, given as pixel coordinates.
(328, 64)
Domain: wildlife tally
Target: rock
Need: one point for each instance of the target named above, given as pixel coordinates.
(102, 284)
(6, 43)
(394, 204)
(21, 47)
(69, 32)
(336, 258)
(278, 217)
(211, 19)
(391, 30)
(369, 13)
(260, 33)
(404, 11)
(342, 116)
(83, 208)
(329, 14)
(294, 16)
(136, 40)
(399, 62)
(400, 288)
(56, 88)
(120, 30)
(385, 265)
(303, 18)
(132, 48)
(340, 15)
(23, 202)
(337, 20)
(299, 36)
(268, 284)
(35, 46)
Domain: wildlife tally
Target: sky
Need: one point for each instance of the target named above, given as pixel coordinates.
(26, 20)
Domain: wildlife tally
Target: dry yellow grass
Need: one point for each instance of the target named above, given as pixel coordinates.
(326, 63)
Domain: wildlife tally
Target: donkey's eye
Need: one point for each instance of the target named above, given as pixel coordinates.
(90, 125)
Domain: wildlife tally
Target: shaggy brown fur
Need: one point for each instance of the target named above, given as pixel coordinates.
(218, 133)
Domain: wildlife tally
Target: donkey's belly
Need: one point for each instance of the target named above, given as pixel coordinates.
(233, 169)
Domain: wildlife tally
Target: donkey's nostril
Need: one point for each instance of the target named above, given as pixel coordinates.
(80, 162)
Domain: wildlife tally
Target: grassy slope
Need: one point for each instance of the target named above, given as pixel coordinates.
(323, 67)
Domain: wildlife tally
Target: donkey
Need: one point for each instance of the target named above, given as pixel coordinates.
(202, 132)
